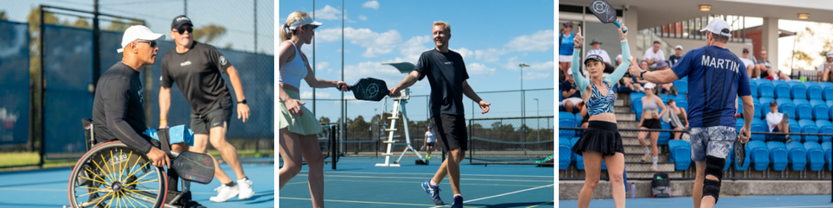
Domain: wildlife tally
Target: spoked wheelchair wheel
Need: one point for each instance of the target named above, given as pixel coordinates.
(115, 175)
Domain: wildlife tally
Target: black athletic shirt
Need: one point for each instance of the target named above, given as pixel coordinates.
(118, 109)
(446, 73)
(197, 74)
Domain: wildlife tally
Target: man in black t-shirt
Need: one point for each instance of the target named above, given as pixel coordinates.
(447, 76)
(197, 68)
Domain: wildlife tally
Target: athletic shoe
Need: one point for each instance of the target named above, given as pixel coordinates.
(428, 156)
(224, 193)
(458, 202)
(654, 168)
(646, 158)
(244, 186)
(433, 192)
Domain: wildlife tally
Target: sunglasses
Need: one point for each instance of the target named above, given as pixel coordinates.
(152, 43)
(182, 30)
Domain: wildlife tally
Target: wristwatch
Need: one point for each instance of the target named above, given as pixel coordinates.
(642, 73)
(242, 102)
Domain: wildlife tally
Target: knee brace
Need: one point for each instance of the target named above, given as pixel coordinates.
(714, 166)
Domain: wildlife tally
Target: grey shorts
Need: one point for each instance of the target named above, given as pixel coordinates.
(715, 141)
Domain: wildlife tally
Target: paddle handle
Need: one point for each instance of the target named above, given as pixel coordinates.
(619, 26)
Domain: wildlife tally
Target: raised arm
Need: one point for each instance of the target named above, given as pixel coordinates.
(626, 54)
(576, 66)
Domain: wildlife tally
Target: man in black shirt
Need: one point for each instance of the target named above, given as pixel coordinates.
(447, 76)
(197, 68)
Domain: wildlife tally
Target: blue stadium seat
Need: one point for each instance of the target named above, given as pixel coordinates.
(778, 155)
(567, 123)
(814, 91)
(795, 129)
(578, 158)
(729, 158)
(682, 104)
(578, 119)
(566, 116)
(747, 161)
(797, 155)
(827, 151)
(664, 98)
(564, 154)
(825, 127)
(682, 86)
(803, 109)
(759, 154)
(753, 87)
(680, 154)
(808, 126)
(820, 110)
(782, 89)
(766, 90)
(798, 90)
(827, 90)
(664, 136)
(815, 155)
(757, 110)
(788, 106)
(759, 126)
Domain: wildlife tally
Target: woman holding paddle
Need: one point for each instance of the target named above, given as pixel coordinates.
(298, 127)
(602, 140)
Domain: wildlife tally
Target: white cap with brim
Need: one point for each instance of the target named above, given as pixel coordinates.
(304, 21)
(830, 55)
(649, 85)
(138, 32)
(679, 47)
(720, 27)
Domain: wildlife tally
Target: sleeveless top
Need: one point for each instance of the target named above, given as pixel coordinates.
(650, 106)
(292, 72)
(599, 103)
(682, 117)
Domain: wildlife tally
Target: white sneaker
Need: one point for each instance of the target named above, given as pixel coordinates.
(244, 186)
(224, 193)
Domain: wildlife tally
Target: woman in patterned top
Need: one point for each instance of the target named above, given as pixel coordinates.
(602, 140)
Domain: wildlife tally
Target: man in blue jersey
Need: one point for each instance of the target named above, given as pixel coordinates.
(716, 77)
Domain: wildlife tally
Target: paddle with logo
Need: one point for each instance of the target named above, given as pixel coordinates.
(605, 12)
(740, 152)
(369, 89)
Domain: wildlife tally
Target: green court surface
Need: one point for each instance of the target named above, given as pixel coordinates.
(357, 182)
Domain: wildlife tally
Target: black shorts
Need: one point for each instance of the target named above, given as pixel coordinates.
(218, 116)
(451, 130)
(430, 144)
(651, 124)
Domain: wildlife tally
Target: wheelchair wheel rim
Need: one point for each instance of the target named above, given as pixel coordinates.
(114, 175)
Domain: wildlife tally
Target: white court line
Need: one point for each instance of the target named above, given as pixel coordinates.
(433, 174)
(504, 194)
(468, 179)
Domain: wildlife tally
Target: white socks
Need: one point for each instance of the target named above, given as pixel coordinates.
(432, 183)
(655, 160)
(646, 150)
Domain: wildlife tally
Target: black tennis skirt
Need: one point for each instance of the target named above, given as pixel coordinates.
(601, 137)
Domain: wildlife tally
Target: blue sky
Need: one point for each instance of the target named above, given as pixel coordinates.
(493, 37)
(236, 16)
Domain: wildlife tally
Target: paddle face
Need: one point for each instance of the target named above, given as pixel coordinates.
(605, 12)
(370, 89)
(740, 152)
(196, 167)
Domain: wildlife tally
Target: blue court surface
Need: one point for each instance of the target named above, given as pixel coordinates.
(358, 183)
(48, 188)
(797, 201)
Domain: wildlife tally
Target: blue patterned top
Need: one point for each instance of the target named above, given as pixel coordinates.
(599, 103)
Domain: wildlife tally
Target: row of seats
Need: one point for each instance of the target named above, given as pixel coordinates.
(795, 155)
(800, 126)
(798, 108)
(636, 102)
(566, 157)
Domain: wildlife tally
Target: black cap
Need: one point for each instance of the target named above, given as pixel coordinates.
(745, 50)
(180, 20)
(595, 41)
(773, 103)
(594, 57)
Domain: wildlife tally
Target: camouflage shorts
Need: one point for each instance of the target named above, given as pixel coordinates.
(715, 141)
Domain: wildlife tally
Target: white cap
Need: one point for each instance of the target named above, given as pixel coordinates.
(619, 56)
(304, 21)
(829, 54)
(718, 26)
(650, 85)
(679, 47)
(138, 32)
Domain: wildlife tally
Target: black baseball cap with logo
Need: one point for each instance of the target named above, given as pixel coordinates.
(180, 20)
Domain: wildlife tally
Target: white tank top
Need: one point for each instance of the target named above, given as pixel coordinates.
(430, 136)
(292, 72)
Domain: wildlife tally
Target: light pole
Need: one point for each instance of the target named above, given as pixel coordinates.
(538, 113)
(523, 101)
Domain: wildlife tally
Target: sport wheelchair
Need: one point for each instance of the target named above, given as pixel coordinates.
(111, 174)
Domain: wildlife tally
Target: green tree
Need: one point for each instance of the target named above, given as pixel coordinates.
(324, 120)
(208, 33)
(3, 15)
(358, 124)
(82, 23)
(120, 25)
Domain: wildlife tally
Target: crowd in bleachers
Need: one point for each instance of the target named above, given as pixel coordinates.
(803, 107)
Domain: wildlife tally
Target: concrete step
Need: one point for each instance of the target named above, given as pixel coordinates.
(625, 117)
(650, 174)
(636, 158)
(662, 166)
(573, 173)
(619, 102)
(621, 109)
(627, 125)
(636, 149)
(634, 141)
(569, 189)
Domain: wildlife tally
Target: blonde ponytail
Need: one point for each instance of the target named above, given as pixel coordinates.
(294, 16)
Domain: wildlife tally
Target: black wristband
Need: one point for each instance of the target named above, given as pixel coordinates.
(242, 102)
(643, 73)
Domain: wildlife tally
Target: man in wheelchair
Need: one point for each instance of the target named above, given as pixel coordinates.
(119, 170)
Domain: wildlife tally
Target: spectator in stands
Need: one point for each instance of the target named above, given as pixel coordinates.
(618, 59)
(678, 52)
(565, 49)
(598, 51)
(602, 141)
(653, 55)
(651, 106)
(572, 97)
(826, 68)
(712, 126)
(778, 122)
(766, 70)
(749, 64)
(677, 117)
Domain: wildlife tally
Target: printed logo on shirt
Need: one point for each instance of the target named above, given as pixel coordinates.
(448, 63)
(141, 94)
(223, 61)
(186, 63)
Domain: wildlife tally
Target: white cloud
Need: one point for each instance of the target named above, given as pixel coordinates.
(318, 95)
(376, 43)
(414, 47)
(371, 4)
(479, 69)
(362, 17)
(536, 75)
(323, 66)
(328, 35)
(539, 41)
(328, 13)
(464, 52)
(489, 55)
(549, 65)
(512, 64)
